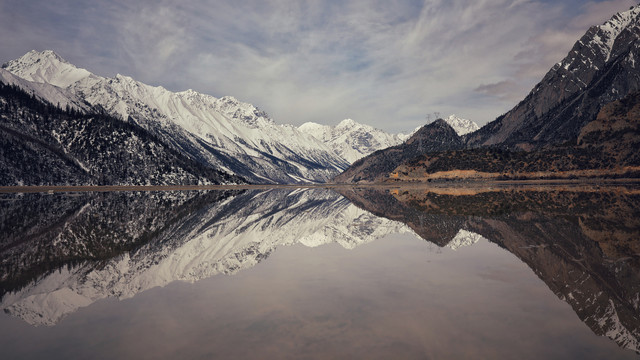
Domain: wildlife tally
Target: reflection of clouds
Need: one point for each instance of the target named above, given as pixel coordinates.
(318, 61)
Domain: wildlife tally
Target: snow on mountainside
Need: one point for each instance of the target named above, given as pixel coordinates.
(42, 144)
(49, 93)
(461, 126)
(46, 67)
(352, 140)
(219, 238)
(226, 133)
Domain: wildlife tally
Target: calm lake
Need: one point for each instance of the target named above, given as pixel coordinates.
(417, 273)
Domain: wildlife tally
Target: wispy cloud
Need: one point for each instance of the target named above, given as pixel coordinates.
(386, 63)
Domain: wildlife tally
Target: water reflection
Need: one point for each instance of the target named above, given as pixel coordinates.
(583, 243)
(60, 253)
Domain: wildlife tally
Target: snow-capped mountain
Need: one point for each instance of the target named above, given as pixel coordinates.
(600, 68)
(194, 237)
(43, 144)
(232, 135)
(352, 140)
(460, 125)
(47, 67)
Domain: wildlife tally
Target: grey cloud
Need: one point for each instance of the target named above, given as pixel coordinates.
(506, 90)
(386, 63)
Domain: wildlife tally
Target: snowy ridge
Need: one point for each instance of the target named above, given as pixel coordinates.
(606, 34)
(352, 140)
(46, 67)
(246, 230)
(600, 41)
(460, 125)
(225, 133)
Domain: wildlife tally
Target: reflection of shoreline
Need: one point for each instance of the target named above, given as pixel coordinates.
(453, 187)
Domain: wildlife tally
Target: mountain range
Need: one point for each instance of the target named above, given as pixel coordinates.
(566, 127)
(543, 135)
(353, 140)
(224, 134)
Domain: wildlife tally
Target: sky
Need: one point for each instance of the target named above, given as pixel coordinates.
(388, 63)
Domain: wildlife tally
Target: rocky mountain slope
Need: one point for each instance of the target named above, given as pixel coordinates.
(41, 144)
(544, 136)
(224, 133)
(353, 140)
(606, 147)
(600, 68)
(436, 136)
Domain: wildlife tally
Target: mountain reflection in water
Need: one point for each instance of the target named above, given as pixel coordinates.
(61, 253)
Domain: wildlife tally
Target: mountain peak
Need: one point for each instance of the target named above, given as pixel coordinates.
(460, 125)
(46, 67)
(350, 139)
(347, 123)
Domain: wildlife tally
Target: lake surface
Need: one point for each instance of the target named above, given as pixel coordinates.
(523, 272)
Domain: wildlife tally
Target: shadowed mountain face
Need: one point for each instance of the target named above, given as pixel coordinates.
(583, 243)
(41, 144)
(600, 68)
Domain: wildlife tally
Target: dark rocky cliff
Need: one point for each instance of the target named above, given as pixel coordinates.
(600, 68)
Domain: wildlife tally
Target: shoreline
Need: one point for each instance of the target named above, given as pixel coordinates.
(486, 184)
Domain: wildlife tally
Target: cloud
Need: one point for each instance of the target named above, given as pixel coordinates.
(505, 90)
(385, 63)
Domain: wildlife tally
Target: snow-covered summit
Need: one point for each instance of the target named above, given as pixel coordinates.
(46, 67)
(596, 47)
(347, 123)
(606, 34)
(460, 125)
(46, 92)
(352, 140)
